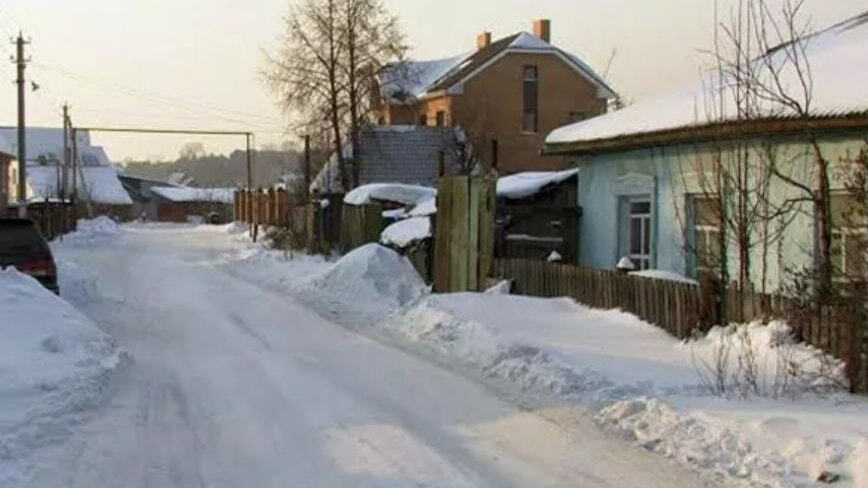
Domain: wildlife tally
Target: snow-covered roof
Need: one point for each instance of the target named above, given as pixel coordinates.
(522, 185)
(389, 192)
(835, 57)
(410, 80)
(99, 184)
(42, 141)
(405, 232)
(187, 194)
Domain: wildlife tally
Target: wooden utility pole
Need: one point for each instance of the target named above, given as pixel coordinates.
(21, 64)
(254, 227)
(74, 176)
(64, 172)
(306, 166)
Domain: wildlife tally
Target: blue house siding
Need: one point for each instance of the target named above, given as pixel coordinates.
(605, 182)
(670, 177)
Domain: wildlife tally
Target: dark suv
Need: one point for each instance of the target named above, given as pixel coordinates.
(22, 246)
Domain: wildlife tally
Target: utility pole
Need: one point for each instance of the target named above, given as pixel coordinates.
(21, 63)
(64, 173)
(306, 167)
(74, 176)
(254, 228)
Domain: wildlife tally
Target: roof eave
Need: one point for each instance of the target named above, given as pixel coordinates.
(715, 132)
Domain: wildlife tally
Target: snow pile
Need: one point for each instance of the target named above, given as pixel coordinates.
(646, 385)
(522, 185)
(77, 284)
(235, 228)
(370, 282)
(389, 192)
(405, 232)
(54, 366)
(101, 230)
(659, 274)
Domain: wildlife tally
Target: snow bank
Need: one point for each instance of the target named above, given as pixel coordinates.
(54, 366)
(522, 185)
(659, 274)
(389, 192)
(101, 230)
(645, 385)
(405, 232)
(77, 284)
(370, 283)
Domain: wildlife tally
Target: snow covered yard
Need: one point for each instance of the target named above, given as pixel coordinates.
(637, 381)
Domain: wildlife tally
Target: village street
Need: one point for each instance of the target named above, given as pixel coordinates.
(230, 384)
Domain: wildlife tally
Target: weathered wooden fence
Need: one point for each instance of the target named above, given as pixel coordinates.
(360, 225)
(672, 306)
(464, 233)
(682, 308)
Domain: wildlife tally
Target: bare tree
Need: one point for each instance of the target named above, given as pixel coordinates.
(371, 38)
(326, 68)
(305, 74)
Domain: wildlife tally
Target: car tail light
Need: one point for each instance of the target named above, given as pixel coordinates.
(41, 268)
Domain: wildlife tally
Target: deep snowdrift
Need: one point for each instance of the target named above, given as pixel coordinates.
(369, 283)
(644, 384)
(101, 230)
(54, 365)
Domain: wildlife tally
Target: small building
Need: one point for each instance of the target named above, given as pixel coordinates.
(538, 216)
(643, 170)
(197, 205)
(506, 94)
(98, 188)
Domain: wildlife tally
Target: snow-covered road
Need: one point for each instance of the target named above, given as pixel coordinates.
(231, 384)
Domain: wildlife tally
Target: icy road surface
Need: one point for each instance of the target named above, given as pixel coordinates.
(234, 385)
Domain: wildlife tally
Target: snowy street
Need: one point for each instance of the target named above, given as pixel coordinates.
(231, 383)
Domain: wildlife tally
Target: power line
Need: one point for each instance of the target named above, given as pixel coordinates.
(155, 97)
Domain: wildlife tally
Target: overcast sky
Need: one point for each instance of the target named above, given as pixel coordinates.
(196, 63)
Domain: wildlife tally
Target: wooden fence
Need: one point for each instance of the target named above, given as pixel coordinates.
(464, 233)
(682, 308)
(672, 306)
(360, 225)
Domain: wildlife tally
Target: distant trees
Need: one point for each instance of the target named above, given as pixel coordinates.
(192, 150)
(325, 69)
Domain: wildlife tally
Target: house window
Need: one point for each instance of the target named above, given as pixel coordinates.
(530, 114)
(849, 233)
(423, 120)
(441, 118)
(639, 232)
(705, 225)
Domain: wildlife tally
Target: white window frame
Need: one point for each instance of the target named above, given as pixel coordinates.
(642, 260)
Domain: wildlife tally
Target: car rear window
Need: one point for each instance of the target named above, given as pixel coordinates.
(20, 241)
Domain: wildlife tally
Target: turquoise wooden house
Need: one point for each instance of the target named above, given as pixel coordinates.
(643, 169)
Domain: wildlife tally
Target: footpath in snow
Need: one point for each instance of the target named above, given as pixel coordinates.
(55, 364)
(765, 428)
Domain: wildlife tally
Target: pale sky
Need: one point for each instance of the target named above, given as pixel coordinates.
(196, 63)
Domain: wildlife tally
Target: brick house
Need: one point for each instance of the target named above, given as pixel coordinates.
(507, 95)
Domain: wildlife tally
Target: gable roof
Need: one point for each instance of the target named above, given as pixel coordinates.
(394, 154)
(409, 80)
(838, 98)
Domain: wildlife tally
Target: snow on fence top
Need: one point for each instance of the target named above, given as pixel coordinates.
(522, 185)
(836, 59)
(185, 194)
(389, 192)
(405, 232)
(659, 274)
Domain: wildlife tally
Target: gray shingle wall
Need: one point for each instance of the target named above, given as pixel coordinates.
(405, 154)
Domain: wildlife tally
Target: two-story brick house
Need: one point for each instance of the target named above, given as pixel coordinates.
(507, 95)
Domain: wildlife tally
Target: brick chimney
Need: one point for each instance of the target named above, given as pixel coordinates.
(542, 28)
(483, 40)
